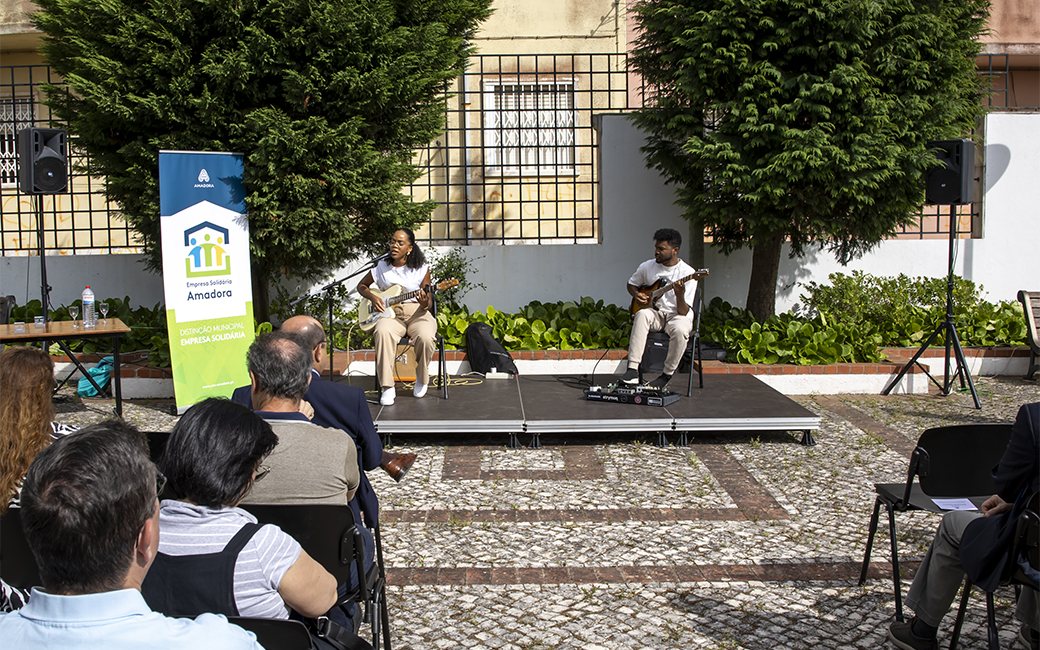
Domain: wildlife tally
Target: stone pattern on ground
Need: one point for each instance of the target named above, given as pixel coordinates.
(744, 540)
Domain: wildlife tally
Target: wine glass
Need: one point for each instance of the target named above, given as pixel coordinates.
(104, 313)
(74, 312)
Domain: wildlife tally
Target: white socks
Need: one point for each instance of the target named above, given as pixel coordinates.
(388, 396)
(419, 390)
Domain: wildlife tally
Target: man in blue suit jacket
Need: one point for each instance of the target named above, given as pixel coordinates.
(978, 544)
(339, 406)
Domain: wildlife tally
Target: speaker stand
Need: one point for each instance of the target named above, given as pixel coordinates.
(952, 340)
(45, 301)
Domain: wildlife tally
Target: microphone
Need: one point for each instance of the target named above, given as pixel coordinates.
(384, 256)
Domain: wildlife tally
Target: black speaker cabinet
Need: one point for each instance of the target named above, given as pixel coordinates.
(952, 183)
(43, 161)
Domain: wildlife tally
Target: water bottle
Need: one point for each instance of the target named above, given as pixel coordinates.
(89, 316)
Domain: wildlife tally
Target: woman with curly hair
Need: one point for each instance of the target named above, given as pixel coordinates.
(406, 267)
(26, 415)
(26, 427)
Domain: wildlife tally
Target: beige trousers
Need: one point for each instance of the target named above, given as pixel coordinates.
(678, 329)
(412, 321)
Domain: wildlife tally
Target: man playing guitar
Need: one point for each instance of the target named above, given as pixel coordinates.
(671, 312)
(406, 267)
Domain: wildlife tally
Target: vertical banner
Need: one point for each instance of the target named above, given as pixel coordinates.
(205, 253)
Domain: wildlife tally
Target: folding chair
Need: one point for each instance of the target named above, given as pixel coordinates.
(1026, 542)
(17, 564)
(276, 634)
(7, 303)
(949, 462)
(329, 535)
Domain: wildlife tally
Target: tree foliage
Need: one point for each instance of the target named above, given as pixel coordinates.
(327, 100)
(803, 120)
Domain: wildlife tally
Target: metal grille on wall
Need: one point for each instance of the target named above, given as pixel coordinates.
(518, 159)
(80, 221)
(517, 163)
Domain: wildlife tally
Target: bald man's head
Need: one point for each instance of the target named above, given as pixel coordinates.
(312, 334)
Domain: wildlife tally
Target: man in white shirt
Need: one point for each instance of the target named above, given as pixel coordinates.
(671, 313)
(91, 516)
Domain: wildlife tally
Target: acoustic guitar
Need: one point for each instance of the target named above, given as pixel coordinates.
(659, 288)
(367, 316)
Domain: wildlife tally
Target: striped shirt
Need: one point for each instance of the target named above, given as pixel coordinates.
(186, 529)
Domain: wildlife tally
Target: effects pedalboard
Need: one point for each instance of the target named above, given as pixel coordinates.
(642, 395)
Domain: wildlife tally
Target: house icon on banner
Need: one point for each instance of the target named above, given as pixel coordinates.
(206, 256)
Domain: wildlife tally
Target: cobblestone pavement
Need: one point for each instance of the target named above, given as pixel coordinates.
(745, 540)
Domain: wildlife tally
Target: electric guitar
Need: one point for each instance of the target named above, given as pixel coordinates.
(367, 316)
(659, 288)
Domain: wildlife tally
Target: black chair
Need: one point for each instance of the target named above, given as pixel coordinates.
(329, 535)
(17, 564)
(1025, 542)
(7, 303)
(949, 462)
(276, 634)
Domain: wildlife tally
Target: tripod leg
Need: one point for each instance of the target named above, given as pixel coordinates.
(963, 366)
(911, 362)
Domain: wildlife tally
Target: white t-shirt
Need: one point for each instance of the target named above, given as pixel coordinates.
(387, 275)
(650, 271)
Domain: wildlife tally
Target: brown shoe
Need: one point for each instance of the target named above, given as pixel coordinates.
(904, 638)
(398, 465)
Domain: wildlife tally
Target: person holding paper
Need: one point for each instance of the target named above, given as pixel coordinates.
(977, 544)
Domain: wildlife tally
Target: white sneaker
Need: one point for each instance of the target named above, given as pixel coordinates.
(420, 389)
(388, 396)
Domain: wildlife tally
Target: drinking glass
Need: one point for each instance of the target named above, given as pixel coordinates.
(74, 312)
(104, 313)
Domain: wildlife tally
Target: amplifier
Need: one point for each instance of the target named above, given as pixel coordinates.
(640, 396)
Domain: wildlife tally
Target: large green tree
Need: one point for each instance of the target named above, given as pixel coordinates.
(327, 99)
(803, 121)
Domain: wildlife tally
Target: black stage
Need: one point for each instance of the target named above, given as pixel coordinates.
(540, 404)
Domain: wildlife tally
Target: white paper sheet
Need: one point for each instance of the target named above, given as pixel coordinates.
(954, 504)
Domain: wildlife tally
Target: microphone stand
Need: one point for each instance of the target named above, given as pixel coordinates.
(328, 288)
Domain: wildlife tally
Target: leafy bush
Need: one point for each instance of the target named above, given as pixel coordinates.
(904, 311)
(565, 325)
(787, 338)
(454, 264)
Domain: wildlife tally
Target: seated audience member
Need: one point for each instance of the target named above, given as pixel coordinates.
(338, 406)
(91, 516)
(26, 427)
(311, 464)
(213, 556)
(977, 544)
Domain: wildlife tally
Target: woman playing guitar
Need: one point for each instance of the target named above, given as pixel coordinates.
(406, 267)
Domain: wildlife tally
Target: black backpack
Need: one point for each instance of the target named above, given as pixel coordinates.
(485, 353)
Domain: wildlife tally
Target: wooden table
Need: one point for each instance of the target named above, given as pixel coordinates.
(64, 331)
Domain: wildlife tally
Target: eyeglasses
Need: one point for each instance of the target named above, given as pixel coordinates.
(160, 482)
(397, 243)
(261, 472)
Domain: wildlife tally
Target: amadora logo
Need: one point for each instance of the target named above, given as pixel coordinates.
(204, 179)
(206, 257)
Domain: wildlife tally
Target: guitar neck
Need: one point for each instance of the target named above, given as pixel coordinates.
(404, 296)
(668, 287)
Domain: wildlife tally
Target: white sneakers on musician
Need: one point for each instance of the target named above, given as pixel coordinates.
(388, 396)
(420, 389)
